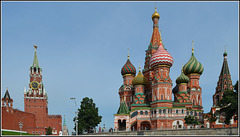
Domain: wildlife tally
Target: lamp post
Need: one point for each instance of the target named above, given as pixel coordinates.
(21, 125)
(76, 119)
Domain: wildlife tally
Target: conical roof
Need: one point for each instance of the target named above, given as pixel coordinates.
(139, 79)
(7, 95)
(123, 108)
(64, 122)
(224, 81)
(128, 68)
(193, 66)
(35, 60)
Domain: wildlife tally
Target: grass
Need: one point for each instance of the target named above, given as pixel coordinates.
(14, 133)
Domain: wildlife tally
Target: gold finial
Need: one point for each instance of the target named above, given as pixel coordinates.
(225, 47)
(192, 46)
(155, 6)
(155, 14)
(35, 46)
(7, 88)
(128, 53)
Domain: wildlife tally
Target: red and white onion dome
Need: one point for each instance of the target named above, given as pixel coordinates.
(161, 57)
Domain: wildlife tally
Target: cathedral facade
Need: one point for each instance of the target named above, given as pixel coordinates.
(146, 99)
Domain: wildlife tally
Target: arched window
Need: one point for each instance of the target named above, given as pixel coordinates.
(146, 112)
(141, 112)
(164, 111)
(160, 111)
(182, 111)
(177, 111)
(161, 97)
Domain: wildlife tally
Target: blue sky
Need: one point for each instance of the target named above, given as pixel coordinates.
(82, 47)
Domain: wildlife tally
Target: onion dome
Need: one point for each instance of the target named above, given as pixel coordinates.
(182, 78)
(139, 79)
(161, 57)
(155, 14)
(175, 89)
(128, 68)
(193, 66)
(225, 54)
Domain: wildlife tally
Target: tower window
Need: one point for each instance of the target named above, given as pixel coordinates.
(160, 111)
(161, 97)
(141, 112)
(35, 69)
(164, 111)
(146, 113)
(182, 110)
(177, 111)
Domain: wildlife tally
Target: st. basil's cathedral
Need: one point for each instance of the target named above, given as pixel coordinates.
(146, 99)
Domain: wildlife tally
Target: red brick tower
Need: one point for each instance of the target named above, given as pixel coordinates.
(35, 99)
(224, 82)
(7, 102)
(126, 91)
(194, 69)
(159, 68)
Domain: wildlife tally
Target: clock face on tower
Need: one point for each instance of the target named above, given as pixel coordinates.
(34, 84)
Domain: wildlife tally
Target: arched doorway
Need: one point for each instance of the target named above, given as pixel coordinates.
(145, 125)
(134, 126)
(121, 125)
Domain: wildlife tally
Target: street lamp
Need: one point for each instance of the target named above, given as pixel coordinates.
(76, 119)
(21, 125)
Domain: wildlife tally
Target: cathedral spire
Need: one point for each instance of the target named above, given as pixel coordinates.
(35, 60)
(224, 81)
(156, 37)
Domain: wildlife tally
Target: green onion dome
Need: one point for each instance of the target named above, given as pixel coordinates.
(175, 89)
(128, 68)
(225, 54)
(182, 78)
(139, 79)
(193, 66)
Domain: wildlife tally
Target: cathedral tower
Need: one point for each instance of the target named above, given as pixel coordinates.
(35, 99)
(126, 90)
(224, 82)
(194, 69)
(159, 68)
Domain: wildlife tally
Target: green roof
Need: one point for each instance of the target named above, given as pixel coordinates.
(35, 60)
(7, 95)
(64, 122)
(123, 108)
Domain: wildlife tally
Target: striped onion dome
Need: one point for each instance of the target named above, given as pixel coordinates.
(193, 66)
(161, 57)
(128, 68)
(139, 79)
(182, 78)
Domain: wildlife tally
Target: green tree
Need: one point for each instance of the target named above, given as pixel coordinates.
(191, 120)
(49, 131)
(211, 117)
(229, 104)
(88, 117)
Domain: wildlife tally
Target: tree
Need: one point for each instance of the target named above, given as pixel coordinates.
(229, 104)
(88, 117)
(211, 117)
(191, 120)
(49, 131)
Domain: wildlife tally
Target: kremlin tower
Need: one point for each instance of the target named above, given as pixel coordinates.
(146, 99)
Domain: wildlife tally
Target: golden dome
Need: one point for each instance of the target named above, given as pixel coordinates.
(155, 14)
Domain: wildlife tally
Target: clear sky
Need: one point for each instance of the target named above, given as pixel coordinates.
(82, 47)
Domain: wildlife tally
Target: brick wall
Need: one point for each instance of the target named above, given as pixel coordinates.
(11, 118)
